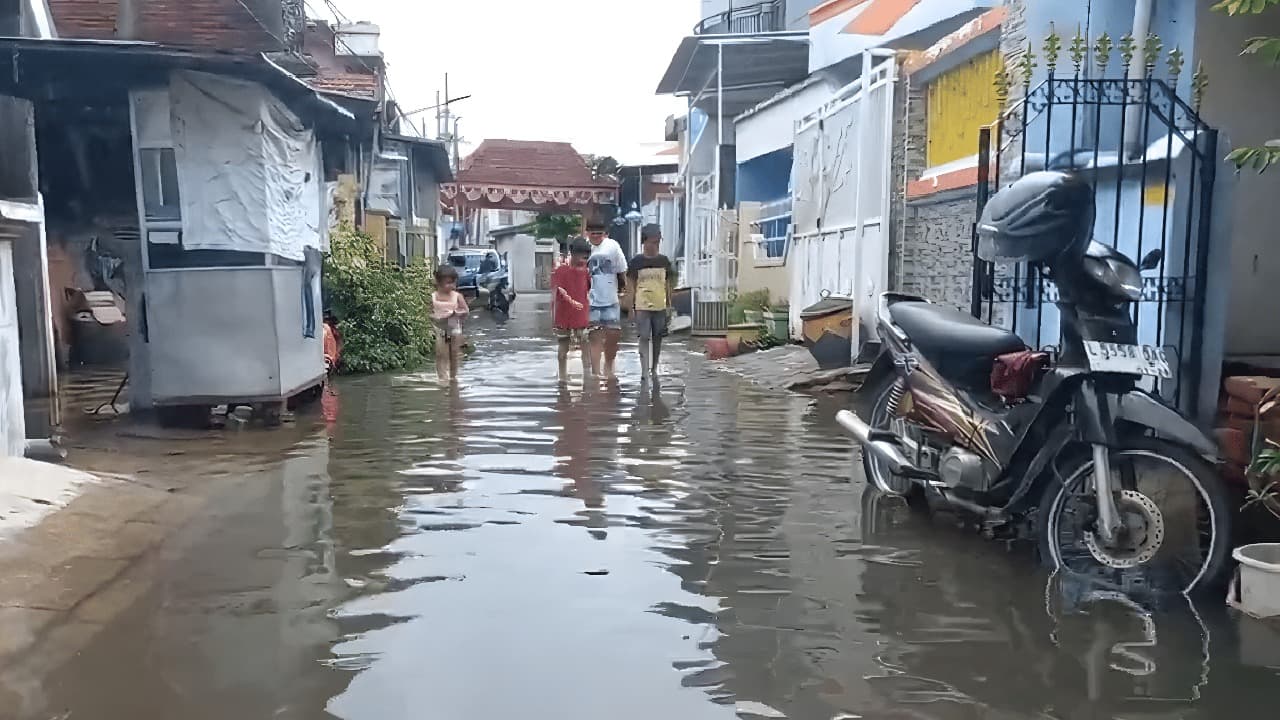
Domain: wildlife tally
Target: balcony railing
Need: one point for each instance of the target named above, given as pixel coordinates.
(761, 17)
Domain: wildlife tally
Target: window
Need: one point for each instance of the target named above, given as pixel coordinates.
(960, 102)
(465, 262)
(160, 184)
(773, 227)
(506, 218)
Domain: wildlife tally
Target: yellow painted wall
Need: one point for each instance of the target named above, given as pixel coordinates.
(960, 102)
(375, 226)
(751, 277)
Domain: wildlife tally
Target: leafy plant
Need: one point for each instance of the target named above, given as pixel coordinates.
(742, 302)
(383, 310)
(1260, 157)
(559, 227)
(768, 340)
(1264, 486)
(602, 166)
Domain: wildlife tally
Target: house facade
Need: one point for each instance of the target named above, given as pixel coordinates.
(29, 408)
(1156, 159)
(194, 157)
(816, 160)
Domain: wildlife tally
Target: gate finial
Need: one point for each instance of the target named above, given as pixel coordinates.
(1199, 84)
(1052, 47)
(1102, 48)
(1002, 81)
(1128, 49)
(1176, 60)
(1151, 49)
(1079, 49)
(1027, 66)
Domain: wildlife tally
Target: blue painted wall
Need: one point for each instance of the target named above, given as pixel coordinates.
(765, 178)
(1172, 20)
(1127, 218)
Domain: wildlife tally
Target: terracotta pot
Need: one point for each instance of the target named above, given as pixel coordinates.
(718, 349)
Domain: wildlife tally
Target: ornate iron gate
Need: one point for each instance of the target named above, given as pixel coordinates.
(1152, 163)
(711, 260)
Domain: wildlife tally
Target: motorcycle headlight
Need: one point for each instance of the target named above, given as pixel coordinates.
(1121, 279)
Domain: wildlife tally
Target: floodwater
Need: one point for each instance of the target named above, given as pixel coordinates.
(696, 549)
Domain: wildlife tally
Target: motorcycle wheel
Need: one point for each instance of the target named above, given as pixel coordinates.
(1185, 558)
(880, 417)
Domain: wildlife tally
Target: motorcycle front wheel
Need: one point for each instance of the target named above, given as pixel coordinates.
(1175, 520)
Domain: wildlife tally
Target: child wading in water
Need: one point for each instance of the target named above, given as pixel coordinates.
(570, 287)
(448, 307)
(653, 276)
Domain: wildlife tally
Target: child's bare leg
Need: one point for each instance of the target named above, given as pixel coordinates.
(455, 356)
(595, 346)
(586, 362)
(562, 359)
(612, 336)
(442, 356)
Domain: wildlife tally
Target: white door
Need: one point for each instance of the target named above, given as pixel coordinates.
(13, 432)
(840, 181)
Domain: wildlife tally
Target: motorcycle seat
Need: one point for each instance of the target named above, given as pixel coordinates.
(961, 347)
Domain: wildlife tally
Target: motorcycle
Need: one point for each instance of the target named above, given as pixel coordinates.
(1111, 481)
(498, 286)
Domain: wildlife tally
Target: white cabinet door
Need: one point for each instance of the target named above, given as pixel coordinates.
(13, 433)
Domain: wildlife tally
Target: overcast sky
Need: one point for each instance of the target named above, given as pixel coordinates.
(582, 71)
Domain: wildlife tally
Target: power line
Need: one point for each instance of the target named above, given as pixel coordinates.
(342, 17)
(263, 25)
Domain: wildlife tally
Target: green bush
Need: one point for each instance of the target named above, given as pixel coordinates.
(742, 302)
(383, 311)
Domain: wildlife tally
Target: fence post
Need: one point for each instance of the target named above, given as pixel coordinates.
(984, 193)
(1209, 172)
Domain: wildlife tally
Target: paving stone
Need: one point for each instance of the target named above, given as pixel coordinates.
(20, 626)
(63, 587)
(119, 595)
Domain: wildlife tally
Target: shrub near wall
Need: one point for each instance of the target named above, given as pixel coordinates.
(383, 311)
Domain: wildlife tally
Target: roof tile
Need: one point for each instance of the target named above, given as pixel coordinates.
(530, 163)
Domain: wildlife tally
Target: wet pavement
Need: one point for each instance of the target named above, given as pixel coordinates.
(700, 548)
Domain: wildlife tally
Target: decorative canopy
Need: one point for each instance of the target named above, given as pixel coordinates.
(528, 175)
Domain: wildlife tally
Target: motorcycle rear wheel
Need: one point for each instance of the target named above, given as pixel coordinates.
(880, 417)
(1150, 554)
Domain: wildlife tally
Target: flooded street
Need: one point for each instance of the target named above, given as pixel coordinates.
(701, 548)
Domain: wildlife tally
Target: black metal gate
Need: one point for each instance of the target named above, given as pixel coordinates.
(1152, 163)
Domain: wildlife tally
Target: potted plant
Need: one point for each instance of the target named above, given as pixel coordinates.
(1257, 590)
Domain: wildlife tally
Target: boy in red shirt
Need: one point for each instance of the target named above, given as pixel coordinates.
(570, 284)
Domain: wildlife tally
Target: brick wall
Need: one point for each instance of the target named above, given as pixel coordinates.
(930, 252)
(1013, 44)
(899, 172)
(937, 259)
(205, 24)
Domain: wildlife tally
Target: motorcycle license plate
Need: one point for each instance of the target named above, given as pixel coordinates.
(1146, 360)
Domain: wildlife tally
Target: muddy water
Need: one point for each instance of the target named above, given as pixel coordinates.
(695, 549)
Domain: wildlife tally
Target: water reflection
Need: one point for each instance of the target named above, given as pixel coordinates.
(692, 548)
(1061, 647)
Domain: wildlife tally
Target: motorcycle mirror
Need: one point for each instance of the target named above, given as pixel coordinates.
(1152, 260)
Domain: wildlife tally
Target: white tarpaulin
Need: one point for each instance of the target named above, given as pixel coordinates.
(246, 167)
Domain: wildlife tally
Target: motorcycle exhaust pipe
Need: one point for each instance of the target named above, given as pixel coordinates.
(885, 451)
